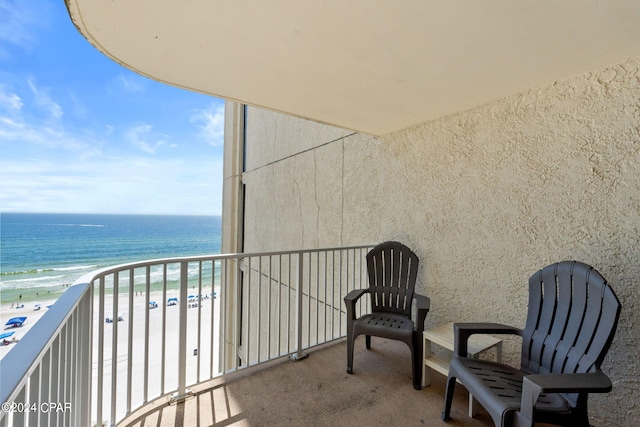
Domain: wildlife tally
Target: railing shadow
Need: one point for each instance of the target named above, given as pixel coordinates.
(318, 392)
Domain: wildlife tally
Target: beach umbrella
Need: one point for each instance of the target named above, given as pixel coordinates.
(16, 321)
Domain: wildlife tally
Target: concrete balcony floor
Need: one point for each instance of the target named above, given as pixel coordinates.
(317, 391)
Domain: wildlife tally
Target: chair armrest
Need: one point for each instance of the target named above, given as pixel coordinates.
(534, 385)
(350, 301)
(355, 295)
(588, 382)
(423, 304)
(462, 332)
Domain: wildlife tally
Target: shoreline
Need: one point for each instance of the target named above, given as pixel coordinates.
(10, 297)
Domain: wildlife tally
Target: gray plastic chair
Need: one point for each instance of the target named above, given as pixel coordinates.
(573, 314)
(392, 269)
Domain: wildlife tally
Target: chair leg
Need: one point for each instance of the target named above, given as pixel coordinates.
(368, 340)
(416, 360)
(350, 352)
(417, 379)
(581, 413)
(448, 398)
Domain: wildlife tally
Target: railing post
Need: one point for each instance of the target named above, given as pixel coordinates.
(183, 393)
(299, 354)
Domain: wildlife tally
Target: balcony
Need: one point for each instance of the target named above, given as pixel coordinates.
(219, 355)
(115, 349)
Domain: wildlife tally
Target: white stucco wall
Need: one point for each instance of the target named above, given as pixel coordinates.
(485, 198)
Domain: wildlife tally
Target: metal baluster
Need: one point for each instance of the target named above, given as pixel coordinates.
(114, 348)
(299, 354)
(129, 340)
(147, 289)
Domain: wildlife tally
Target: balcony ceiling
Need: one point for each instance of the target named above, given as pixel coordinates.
(374, 66)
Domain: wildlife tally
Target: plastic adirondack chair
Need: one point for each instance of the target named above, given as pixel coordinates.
(572, 318)
(392, 269)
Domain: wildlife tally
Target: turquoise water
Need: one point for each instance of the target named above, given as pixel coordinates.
(42, 254)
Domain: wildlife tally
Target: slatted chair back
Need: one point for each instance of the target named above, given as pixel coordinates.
(573, 314)
(392, 270)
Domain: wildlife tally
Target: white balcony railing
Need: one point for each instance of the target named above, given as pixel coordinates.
(104, 349)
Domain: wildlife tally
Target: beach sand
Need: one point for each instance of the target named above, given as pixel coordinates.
(7, 311)
(163, 321)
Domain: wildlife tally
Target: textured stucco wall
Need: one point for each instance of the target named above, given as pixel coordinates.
(484, 197)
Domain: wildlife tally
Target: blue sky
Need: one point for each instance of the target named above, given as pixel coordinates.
(82, 134)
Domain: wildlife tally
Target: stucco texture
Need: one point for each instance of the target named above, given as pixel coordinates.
(485, 198)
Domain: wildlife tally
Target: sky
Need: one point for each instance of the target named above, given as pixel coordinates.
(79, 133)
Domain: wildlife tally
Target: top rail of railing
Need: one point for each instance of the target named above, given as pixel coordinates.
(91, 276)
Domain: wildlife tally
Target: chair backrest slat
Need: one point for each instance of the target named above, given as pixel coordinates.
(392, 269)
(567, 318)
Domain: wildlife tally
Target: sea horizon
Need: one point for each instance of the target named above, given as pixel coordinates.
(41, 254)
(5, 212)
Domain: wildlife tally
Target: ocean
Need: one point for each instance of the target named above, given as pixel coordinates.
(42, 254)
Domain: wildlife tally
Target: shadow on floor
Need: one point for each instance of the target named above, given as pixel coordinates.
(317, 391)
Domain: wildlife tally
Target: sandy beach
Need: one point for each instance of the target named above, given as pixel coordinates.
(163, 321)
(8, 311)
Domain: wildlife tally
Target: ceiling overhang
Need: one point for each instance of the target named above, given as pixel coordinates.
(374, 66)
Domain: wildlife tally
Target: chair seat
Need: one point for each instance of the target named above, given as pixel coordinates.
(498, 387)
(386, 325)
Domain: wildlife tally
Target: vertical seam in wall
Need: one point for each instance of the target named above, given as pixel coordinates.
(295, 182)
(273, 176)
(315, 196)
(342, 194)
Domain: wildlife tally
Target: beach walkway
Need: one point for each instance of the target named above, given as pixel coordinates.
(317, 391)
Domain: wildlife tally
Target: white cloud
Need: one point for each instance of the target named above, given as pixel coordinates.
(9, 123)
(53, 109)
(113, 185)
(131, 84)
(23, 131)
(9, 101)
(211, 124)
(141, 137)
(18, 132)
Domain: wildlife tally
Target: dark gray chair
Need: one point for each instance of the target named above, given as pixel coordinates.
(572, 318)
(392, 269)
